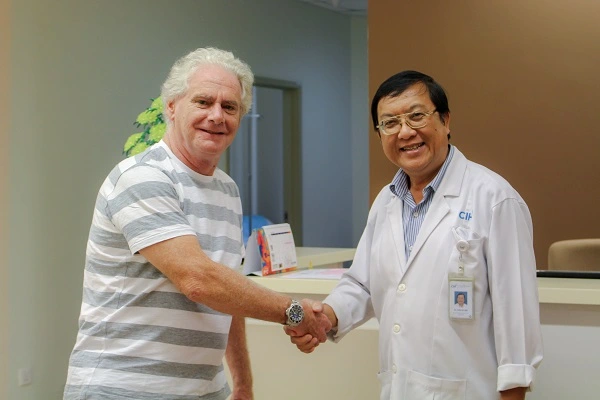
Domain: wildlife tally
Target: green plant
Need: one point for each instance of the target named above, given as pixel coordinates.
(153, 126)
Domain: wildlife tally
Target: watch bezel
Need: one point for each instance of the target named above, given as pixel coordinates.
(295, 314)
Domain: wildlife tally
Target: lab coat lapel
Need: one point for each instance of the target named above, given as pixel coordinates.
(439, 208)
(394, 218)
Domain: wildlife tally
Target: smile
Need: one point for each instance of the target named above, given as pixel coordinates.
(413, 147)
(213, 132)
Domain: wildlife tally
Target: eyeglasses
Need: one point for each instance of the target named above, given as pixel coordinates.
(415, 120)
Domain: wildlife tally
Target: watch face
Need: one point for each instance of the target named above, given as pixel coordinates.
(296, 314)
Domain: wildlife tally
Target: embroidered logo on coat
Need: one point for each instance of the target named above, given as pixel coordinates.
(465, 215)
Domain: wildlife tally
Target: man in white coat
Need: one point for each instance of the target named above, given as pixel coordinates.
(444, 225)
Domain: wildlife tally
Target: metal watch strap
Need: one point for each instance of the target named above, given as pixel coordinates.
(294, 314)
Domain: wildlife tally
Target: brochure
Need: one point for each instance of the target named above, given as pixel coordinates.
(270, 250)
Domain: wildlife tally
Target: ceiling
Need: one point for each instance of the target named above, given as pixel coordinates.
(351, 7)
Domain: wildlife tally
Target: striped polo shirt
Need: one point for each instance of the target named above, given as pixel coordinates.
(413, 214)
(139, 337)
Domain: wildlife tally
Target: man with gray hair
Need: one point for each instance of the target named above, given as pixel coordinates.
(162, 300)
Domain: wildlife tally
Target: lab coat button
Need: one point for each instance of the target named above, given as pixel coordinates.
(394, 368)
(401, 288)
(462, 246)
(396, 329)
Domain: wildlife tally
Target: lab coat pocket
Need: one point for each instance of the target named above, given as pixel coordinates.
(385, 380)
(423, 387)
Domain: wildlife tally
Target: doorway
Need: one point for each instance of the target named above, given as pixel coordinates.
(264, 159)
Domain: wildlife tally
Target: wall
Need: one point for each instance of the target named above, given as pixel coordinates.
(4, 139)
(359, 127)
(523, 87)
(81, 72)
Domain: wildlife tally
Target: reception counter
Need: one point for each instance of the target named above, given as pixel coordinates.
(551, 290)
(569, 311)
(569, 291)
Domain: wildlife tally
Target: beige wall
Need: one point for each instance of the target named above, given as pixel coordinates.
(4, 127)
(80, 73)
(524, 89)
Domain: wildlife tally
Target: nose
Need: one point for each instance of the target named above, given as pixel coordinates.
(216, 114)
(406, 132)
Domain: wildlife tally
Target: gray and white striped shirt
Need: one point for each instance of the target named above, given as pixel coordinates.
(139, 337)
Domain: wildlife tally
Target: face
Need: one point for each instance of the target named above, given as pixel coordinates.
(419, 152)
(204, 121)
(460, 299)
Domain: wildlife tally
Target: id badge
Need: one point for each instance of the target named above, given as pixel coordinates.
(460, 301)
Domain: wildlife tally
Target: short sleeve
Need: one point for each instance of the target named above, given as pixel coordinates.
(145, 207)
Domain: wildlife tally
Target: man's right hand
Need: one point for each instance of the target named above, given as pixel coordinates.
(313, 330)
(315, 322)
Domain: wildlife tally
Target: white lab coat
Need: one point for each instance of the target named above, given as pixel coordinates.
(423, 353)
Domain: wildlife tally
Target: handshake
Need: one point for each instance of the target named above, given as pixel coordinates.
(318, 320)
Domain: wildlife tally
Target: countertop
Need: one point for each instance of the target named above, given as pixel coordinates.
(551, 290)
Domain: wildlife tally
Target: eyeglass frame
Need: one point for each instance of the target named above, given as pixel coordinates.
(403, 120)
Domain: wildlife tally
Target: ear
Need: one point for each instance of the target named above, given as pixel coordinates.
(170, 110)
(446, 120)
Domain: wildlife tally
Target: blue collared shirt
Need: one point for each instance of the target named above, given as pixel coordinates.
(414, 214)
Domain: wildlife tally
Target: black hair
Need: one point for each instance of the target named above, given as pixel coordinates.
(398, 83)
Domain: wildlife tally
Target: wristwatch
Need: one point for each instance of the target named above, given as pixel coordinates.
(294, 313)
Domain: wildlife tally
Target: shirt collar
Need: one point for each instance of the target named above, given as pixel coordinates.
(399, 185)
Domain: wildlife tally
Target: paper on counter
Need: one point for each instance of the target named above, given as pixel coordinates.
(319, 273)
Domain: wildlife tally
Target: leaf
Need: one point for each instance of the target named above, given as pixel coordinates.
(138, 148)
(132, 141)
(151, 120)
(148, 117)
(157, 132)
(157, 104)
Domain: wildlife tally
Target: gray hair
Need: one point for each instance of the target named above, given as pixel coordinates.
(176, 83)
